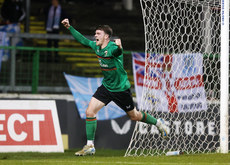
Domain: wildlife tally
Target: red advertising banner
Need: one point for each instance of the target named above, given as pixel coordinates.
(29, 126)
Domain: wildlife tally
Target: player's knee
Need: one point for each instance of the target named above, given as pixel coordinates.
(89, 113)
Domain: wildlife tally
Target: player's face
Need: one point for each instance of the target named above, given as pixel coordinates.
(100, 37)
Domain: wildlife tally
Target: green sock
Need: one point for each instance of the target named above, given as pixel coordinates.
(147, 118)
(91, 126)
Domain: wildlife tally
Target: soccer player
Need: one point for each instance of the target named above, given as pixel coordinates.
(115, 85)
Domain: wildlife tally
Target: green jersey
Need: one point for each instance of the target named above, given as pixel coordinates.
(111, 62)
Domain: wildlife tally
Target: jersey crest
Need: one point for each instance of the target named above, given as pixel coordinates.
(106, 52)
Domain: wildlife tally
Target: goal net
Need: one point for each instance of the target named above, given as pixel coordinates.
(181, 83)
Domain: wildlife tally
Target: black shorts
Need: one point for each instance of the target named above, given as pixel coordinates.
(123, 99)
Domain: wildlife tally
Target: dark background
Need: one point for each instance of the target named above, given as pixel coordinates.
(86, 15)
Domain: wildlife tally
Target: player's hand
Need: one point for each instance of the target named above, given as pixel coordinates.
(65, 22)
(118, 43)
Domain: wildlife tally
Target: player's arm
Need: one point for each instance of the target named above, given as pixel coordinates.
(117, 51)
(78, 36)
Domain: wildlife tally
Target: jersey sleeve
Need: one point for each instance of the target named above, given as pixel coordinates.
(80, 38)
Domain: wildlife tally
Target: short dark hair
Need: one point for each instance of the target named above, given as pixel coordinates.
(106, 28)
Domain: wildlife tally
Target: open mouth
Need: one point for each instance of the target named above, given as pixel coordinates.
(97, 39)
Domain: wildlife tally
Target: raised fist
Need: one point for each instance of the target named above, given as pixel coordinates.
(118, 43)
(65, 22)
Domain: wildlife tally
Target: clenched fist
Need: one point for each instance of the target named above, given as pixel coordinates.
(65, 22)
(118, 43)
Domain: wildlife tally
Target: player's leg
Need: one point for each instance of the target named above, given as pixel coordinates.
(125, 101)
(99, 100)
(91, 121)
(146, 118)
(91, 125)
(141, 116)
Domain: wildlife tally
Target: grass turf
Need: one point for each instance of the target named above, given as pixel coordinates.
(111, 157)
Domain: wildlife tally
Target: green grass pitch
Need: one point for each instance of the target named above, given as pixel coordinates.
(110, 157)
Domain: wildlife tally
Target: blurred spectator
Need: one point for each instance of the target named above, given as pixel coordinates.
(12, 11)
(54, 14)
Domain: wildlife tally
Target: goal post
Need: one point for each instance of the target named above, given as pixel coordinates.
(185, 78)
(224, 87)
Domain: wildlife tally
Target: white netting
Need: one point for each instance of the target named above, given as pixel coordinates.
(182, 76)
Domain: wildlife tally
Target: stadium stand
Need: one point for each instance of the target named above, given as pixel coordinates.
(127, 25)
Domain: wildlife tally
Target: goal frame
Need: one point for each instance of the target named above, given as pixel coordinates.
(223, 110)
(224, 76)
